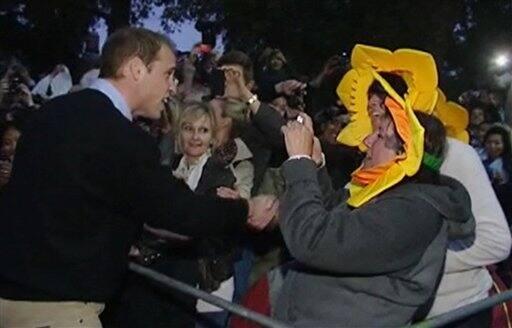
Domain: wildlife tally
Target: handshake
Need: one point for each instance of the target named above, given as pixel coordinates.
(262, 209)
(262, 212)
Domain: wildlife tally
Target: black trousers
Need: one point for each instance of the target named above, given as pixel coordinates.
(143, 303)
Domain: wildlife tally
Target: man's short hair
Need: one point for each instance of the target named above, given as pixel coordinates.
(127, 43)
(236, 57)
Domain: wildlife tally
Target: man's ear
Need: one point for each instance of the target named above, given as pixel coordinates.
(134, 68)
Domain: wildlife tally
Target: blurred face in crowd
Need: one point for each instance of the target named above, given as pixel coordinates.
(375, 109)
(277, 61)
(332, 129)
(494, 99)
(280, 105)
(494, 146)
(383, 144)
(482, 130)
(477, 116)
(9, 143)
(196, 137)
(154, 82)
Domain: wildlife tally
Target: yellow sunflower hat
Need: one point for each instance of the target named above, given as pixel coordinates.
(407, 164)
(454, 117)
(417, 68)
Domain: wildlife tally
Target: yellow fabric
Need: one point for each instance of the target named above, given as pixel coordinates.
(417, 68)
(353, 92)
(360, 195)
(411, 132)
(413, 146)
(454, 117)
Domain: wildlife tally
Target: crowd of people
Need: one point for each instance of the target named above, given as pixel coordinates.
(341, 199)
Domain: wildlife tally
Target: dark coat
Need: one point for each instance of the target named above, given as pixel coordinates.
(84, 181)
(264, 138)
(143, 304)
(376, 265)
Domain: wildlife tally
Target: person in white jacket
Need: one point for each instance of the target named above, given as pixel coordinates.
(466, 279)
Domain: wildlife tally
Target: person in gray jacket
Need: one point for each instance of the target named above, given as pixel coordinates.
(372, 255)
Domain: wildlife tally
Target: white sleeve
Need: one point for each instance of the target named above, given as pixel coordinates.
(492, 234)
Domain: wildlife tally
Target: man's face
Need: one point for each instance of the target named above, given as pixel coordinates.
(156, 81)
(382, 144)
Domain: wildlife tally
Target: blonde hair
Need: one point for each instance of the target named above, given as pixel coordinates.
(238, 111)
(192, 112)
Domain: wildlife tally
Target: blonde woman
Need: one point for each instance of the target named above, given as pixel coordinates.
(204, 262)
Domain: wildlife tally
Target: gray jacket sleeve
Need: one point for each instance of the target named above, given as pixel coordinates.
(386, 235)
(330, 197)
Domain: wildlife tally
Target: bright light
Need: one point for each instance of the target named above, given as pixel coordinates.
(501, 60)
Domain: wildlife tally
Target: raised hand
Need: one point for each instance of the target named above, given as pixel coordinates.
(298, 139)
(289, 87)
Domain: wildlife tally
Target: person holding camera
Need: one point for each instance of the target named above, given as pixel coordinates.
(359, 258)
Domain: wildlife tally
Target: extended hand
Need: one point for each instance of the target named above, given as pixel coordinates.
(225, 192)
(262, 210)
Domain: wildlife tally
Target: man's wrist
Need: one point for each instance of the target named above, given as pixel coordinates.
(251, 100)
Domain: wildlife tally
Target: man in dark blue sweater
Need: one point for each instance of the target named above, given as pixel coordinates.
(84, 181)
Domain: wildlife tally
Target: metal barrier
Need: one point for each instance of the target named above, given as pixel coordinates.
(265, 321)
(197, 293)
(465, 311)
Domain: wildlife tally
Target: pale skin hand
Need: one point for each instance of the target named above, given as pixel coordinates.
(229, 193)
(236, 87)
(262, 209)
(289, 87)
(316, 154)
(299, 137)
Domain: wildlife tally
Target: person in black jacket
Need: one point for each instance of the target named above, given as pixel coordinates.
(83, 181)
